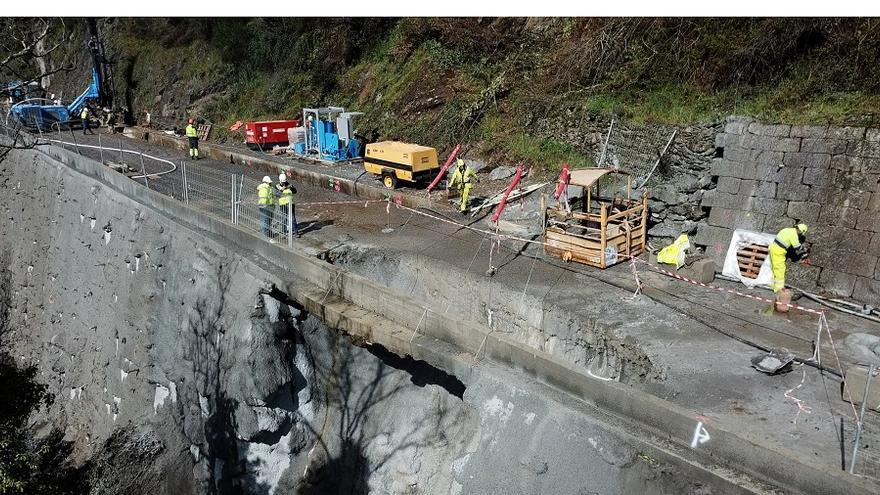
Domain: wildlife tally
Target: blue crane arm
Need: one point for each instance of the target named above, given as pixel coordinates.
(91, 93)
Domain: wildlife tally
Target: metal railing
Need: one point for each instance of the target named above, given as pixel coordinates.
(220, 193)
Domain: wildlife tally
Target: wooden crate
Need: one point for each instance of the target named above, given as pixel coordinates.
(750, 259)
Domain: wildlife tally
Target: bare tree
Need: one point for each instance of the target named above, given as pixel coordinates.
(25, 45)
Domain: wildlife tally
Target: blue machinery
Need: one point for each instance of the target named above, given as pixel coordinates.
(41, 113)
(31, 113)
(327, 135)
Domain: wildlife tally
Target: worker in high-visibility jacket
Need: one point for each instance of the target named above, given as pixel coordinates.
(84, 116)
(464, 176)
(287, 205)
(266, 204)
(192, 135)
(789, 244)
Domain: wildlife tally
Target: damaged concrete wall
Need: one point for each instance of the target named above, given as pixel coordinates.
(177, 368)
(770, 176)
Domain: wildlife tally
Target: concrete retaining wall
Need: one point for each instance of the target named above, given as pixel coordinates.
(771, 176)
(371, 304)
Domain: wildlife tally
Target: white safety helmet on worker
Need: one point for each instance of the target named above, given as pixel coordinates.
(267, 180)
(802, 228)
(282, 178)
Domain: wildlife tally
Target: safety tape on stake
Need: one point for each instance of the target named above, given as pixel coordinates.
(363, 202)
(655, 268)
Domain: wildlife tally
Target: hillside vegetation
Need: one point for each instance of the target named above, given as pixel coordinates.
(489, 82)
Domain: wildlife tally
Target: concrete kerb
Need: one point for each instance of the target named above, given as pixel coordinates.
(788, 470)
(310, 177)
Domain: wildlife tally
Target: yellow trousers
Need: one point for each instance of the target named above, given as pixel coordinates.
(777, 263)
(465, 191)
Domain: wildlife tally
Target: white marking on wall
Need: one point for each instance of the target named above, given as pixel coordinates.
(162, 393)
(106, 237)
(82, 218)
(529, 418)
(459, 464)
(122, 375)
(203, 404)
(194, 450)
(117, 346)
(701, 435)
(118, 401)
(73, 393)
(92, 223)
(271, 461)
(173, 388)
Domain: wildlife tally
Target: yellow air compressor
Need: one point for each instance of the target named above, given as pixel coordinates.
(395, 161)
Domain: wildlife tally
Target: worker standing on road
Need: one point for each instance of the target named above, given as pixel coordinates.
(287, 204)
(266, 204)
(789, 243)
(464, 176)
(84, 115)
(192, 135)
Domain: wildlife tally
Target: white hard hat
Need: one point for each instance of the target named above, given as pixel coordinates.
(282, 178)
(267, 179)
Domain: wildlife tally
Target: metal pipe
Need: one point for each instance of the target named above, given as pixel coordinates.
(289, 207)
(852, 464)
(232, 200)
(185, 184)
(238, 202)
(75, 144)
(144, 172)
(605, 146)
(659, 157)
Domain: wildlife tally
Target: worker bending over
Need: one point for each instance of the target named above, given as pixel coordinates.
(789, 243)
(464, 176)
(286, 204)
(266, 204)
(192, 135)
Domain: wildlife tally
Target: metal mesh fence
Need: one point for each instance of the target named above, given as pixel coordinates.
(635, 148)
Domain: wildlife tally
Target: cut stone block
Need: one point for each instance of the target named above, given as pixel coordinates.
(702, 270)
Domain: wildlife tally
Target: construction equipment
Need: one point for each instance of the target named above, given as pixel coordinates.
(396, 161)
(328, 135)
(264, 135)
(42, 113)
(617, 232)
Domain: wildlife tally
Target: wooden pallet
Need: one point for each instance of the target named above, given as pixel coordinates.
(204, 131)
(750, 259)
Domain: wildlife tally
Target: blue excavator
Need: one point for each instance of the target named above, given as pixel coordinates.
(43, 114)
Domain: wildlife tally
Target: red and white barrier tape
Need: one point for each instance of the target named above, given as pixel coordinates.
(653, 267)
(722, 289)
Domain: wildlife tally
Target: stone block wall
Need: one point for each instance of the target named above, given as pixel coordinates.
(770, 176)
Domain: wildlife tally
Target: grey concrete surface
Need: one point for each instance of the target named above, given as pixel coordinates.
(407, 317)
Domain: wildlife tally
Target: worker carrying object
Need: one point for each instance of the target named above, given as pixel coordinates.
(287, 204)
(266, 204)
(192, 135)
(464, 176)
(84, 115)
(789, 244)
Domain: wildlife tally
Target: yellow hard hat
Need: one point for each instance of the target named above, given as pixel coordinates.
(459, 162)
(802, 228)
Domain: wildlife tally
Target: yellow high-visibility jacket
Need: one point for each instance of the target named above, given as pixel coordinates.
(265, 197)
(191, 131)
(286, 196)
(463, 177)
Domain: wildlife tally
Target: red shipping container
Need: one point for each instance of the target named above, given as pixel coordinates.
(266, 134)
